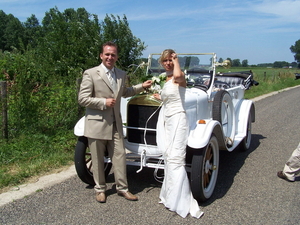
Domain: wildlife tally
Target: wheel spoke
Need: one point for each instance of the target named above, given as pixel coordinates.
(208, 154)
(90, 166)
(207, 166)
(87, 160)
(205, 180)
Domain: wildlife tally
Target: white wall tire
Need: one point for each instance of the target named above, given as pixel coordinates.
(204, 170)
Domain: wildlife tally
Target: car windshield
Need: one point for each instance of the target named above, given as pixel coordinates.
(198, 68)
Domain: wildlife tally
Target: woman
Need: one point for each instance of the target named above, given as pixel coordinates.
(172, 133)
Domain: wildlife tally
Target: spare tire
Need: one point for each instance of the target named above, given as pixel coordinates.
(223, 111)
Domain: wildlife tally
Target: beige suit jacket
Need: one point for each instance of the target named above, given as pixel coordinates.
(94, 89)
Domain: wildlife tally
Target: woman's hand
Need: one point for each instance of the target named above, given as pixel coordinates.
(157, 96)
(174, 56)
(178, 75)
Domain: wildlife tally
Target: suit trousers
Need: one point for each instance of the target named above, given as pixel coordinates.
(116, 153)
(292, 166)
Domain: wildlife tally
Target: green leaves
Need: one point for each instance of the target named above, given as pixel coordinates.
(117, 30)
(41, 64)
(296, 49)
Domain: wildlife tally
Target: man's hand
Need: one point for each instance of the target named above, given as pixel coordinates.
(110, 102)
(147, 84)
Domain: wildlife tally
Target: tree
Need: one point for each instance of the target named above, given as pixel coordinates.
(44, 64)
(188, 61)
(33, 31)
(265, 64)
(3, 22)
(236, 63)
(71, 42)
(280, 64)
(229, 60)
(13, 33)
(220, 60)
(245, 63)
(294, 64)
(195, 61)
(296, 49)
(130, 47)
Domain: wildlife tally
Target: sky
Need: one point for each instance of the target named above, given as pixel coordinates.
(260, 31)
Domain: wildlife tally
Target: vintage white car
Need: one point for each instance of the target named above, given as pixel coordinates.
(219, 119)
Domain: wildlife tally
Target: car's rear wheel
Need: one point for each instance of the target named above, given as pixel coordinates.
(245, 144)
(204, 170)
(83, 162)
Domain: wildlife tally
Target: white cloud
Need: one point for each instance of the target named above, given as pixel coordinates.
(286, 10)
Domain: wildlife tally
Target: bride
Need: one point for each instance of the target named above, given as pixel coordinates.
(172, 134)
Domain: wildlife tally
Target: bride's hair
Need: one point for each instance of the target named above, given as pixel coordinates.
(166, 53)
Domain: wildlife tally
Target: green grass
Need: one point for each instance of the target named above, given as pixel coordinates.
(34, 154)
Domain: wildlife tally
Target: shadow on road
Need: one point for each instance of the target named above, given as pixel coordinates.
(137, 182)
(229, 165)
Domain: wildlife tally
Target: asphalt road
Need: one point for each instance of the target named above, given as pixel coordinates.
(247, 192)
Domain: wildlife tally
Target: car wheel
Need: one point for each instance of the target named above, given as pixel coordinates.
(83, 162)
(245, 144)
(223, 111)
(204, 170)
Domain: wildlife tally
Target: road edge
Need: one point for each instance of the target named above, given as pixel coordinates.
(42, 182)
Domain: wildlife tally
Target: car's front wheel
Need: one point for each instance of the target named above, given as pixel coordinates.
(204, 170)
(83, 162)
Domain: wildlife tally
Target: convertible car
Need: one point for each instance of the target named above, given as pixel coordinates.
(219, 117)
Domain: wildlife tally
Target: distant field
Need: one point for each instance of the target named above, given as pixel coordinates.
(270, 79)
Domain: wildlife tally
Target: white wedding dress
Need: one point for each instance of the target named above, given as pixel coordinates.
(172, 134)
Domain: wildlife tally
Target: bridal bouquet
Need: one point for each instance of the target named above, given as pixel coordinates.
(158, 83)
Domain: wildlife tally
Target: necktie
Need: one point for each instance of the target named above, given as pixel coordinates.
(111, 78)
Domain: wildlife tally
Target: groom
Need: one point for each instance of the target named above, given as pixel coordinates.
(100, 92)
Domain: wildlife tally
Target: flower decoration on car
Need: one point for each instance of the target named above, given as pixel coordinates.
(158, 83)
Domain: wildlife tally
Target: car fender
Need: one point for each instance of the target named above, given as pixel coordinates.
(245, 108)
(79, 127)
(200, 136)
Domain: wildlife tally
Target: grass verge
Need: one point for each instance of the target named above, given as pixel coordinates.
(34, 154)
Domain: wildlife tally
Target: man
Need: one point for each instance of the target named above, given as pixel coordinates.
(292, 167)
(100, 92)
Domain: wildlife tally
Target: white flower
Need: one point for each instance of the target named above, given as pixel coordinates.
(155, 88)
(162, 76)
(157, 83)
(155, 80)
